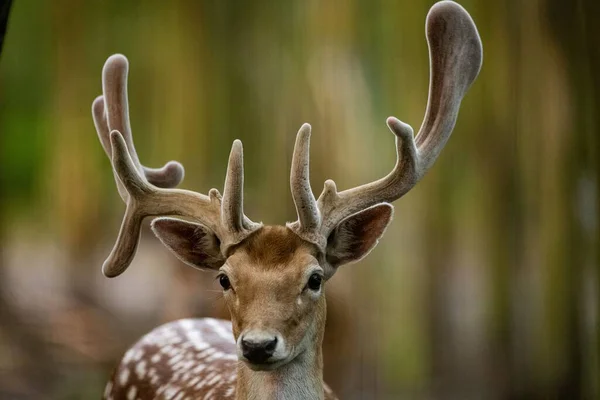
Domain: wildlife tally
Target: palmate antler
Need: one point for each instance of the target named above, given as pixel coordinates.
(455, 53)
(147, 191)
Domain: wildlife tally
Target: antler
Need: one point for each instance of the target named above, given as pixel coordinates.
(455, 53)
(147, 192)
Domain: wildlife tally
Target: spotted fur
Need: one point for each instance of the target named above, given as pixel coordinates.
(182, 360)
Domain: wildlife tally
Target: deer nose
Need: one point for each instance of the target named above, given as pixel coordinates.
(258, 351)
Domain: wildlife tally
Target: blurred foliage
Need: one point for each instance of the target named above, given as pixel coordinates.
(485, 286)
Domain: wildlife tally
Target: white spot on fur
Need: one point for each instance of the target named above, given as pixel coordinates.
(179, 396)
(215, 379)
(124, 376)
(209, 394)
(170, 392)
(138, 356)
(128, 356)
(218, 329)
(131, 393)
(174, 360)
(199, 368)
(140, 369)
(108, 389)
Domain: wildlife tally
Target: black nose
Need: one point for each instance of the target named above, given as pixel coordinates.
(258, 351)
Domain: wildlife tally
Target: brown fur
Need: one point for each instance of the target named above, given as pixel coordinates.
(268, 273)
(273, 246)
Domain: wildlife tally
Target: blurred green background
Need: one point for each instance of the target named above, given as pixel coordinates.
(485, 286)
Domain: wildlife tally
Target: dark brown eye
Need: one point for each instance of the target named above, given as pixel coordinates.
(314, 282)
(224, 281)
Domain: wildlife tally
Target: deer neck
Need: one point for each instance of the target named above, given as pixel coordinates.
(301, 378)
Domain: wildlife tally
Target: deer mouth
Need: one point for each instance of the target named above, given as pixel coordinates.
(274, 362)
(266, 365)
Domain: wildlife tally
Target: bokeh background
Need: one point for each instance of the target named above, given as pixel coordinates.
(485, 286)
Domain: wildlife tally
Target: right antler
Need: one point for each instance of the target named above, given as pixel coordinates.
(456, 55)
(146, 191)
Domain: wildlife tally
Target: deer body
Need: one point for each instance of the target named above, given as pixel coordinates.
(273, 277)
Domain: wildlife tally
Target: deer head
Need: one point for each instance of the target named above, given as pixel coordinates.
(273, 277)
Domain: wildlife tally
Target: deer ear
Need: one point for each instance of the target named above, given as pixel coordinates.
(192, 243)
(358, 234)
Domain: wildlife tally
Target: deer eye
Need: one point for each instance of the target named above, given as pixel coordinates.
(314, 282)
(224, 282)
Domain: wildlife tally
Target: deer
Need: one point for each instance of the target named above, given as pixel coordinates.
(273, 278)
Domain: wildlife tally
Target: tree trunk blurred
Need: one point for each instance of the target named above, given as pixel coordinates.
(574, 26)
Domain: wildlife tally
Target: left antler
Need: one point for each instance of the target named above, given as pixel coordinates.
(146, 191)
(455, 59)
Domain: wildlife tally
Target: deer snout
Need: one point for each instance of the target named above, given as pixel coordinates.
(260, 347)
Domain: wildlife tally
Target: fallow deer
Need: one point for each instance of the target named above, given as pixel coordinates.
(273, 277)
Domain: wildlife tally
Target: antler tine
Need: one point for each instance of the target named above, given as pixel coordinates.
(335, 206)
(101, 124)
(455, 60)
(114, 87)
(304, 200)
(232, 206)
(111, 112)
(456, 55)
(146, 191)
